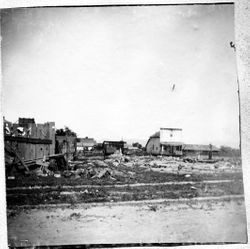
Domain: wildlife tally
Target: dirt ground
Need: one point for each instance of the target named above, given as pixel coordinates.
(142, 222)
(114, 193)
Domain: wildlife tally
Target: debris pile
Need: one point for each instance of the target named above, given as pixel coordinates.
(122, 168)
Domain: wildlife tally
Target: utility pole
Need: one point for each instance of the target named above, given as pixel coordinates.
(232, 45)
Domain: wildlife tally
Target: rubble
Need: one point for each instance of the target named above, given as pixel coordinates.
(40, 172)
(102, 173)
(118, 167)
(135, 178)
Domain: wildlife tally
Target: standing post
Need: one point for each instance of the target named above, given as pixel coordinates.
(210, 153)
(238, 85)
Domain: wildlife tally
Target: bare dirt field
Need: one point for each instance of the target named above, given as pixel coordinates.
(203, 221)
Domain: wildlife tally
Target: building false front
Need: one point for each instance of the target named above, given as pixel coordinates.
(168, 141)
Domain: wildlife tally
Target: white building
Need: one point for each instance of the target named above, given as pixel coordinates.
(168, 141)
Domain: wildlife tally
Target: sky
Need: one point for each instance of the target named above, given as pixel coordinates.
(123, 72)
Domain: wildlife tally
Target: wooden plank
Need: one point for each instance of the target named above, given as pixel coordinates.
(12, 150)
(52, 137)
(29, 151)
(28, 140)
(47, 157)
(32, 128)
(39, 150)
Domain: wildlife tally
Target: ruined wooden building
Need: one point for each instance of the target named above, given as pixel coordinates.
(110, 147)
(28, 139)
(66, 143)
(85, 144)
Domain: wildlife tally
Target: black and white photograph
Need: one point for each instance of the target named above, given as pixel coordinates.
(122, 125)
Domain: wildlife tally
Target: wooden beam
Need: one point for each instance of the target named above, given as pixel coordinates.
(28, 140)
(8, 148)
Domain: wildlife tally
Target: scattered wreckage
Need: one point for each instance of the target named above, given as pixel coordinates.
(117, 165)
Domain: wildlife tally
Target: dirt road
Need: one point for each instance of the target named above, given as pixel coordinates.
(135, 222)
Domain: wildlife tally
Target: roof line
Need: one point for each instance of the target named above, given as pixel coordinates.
(171, 129)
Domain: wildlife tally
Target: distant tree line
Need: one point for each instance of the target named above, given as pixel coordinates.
(228, 151)
(65, 132)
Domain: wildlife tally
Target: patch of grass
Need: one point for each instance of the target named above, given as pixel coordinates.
(33, 197)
